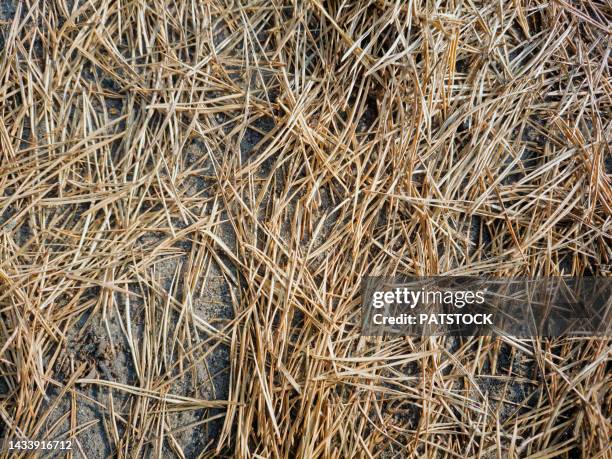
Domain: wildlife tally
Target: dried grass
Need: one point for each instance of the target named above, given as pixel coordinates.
(292, 148)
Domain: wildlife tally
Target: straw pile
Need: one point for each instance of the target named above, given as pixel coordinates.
(191, 192)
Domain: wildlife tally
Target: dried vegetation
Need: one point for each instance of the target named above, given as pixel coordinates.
(279, 151)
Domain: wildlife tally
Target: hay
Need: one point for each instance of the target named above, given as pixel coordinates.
(285, 150)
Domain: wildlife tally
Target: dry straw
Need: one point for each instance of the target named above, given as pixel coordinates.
(284, 150)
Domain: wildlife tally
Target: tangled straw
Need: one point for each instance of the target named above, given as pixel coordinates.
(192, 191)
